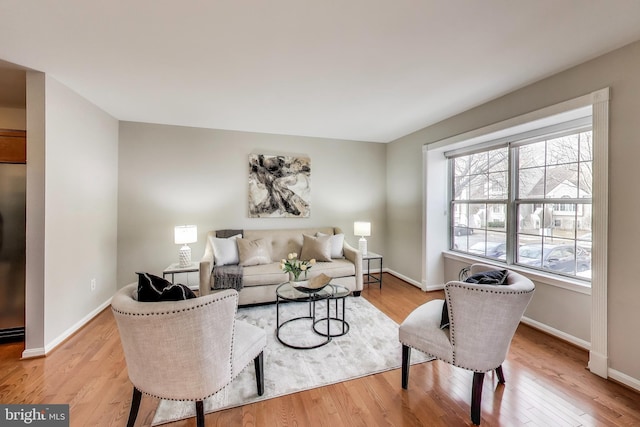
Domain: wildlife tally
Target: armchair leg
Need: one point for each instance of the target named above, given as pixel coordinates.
(406, 362)
(135, 406)
(199, 413)
(259, 365)
(500, 374)
(476, 397)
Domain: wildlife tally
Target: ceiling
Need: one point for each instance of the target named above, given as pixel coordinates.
(370, 70)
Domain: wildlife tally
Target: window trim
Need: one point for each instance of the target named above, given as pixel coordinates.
(539, 276)
(435, 222)
(512, 202)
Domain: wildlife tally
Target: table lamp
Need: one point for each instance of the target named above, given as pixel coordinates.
(362, 229)
(185, 234)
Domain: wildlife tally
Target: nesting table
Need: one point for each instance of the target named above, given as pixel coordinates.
(320, 325)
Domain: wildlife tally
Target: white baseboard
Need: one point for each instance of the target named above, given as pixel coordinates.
(598, 364)
(615, 375)
(39, 352)
(402, 277)
(557, 333)
(424, 287)
(73, 329)
(33, 352)
(625, 379)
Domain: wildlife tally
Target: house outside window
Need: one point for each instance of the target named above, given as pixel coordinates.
(526, 202)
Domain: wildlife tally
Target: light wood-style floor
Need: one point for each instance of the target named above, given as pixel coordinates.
(546, 385)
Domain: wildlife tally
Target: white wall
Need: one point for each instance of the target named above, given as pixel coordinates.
(74, 167)
(172, 175)
(565, 311)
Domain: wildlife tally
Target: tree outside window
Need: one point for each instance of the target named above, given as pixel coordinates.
(547, 213)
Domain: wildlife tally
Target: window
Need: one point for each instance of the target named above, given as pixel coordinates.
(526, 201)
(437, 235)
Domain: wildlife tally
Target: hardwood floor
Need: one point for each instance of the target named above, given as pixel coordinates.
(546, 385)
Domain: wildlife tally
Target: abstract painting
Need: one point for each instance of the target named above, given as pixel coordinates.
(279, 186)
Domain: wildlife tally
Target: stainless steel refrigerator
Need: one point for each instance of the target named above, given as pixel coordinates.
(13, 188)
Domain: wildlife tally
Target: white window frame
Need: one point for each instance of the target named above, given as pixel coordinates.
(512, 201)
(435, 206)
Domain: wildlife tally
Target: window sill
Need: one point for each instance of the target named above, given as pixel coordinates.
(578, 286)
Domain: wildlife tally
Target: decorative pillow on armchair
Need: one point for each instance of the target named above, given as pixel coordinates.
(254, 252)
(154, 289)
(318, 248)
(491, 277)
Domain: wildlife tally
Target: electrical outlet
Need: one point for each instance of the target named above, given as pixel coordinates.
(93, 284)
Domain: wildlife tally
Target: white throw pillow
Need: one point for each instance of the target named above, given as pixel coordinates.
(225, 251)
(337, 244)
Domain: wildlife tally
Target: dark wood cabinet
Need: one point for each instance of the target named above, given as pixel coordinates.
(13, 146)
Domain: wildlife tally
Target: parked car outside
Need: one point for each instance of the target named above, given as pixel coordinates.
(462, 230)
(584, 242)
(562, 258)
(496, 250)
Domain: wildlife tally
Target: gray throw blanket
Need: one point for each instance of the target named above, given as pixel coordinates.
(227, 277)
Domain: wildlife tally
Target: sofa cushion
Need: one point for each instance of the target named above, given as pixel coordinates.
(154, 289)
(253, 252)
(225, 250)
(265, 274)
(318, 248)
(269, 274)
(337, 268)
(285, 241)
(337, 245)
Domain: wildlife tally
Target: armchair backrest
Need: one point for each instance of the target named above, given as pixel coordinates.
(484, 318)
(177, 350)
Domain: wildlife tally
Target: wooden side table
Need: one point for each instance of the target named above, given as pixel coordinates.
(371, 278)
(174, 269)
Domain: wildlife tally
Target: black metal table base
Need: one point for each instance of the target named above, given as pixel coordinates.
(314, 323)
(328, 319)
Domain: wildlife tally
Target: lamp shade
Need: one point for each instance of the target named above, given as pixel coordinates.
(361, 228)
(185, 234)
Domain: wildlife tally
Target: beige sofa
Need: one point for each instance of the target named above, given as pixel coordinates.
(260, 281)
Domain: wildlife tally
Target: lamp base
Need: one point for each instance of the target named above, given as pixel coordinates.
(184, 255)
(362, 245)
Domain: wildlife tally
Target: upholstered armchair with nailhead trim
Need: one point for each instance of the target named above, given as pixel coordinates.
(483, 319)
(185, 350)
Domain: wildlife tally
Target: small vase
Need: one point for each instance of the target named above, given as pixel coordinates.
(292, 278)
(299, 282)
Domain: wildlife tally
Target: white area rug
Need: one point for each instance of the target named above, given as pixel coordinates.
(371, 346)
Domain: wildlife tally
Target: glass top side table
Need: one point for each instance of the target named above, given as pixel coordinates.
(337, 293)
(372, 278)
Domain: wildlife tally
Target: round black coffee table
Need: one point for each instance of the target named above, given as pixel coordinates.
(287, 293)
